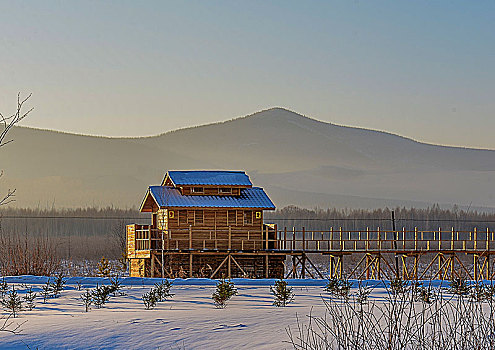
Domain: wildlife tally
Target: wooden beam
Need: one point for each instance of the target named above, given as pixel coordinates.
(219, 266)
(239, 266)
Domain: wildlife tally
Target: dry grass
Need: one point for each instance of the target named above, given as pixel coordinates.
(399, 321)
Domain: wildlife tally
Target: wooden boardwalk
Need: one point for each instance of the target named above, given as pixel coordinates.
(375, 254)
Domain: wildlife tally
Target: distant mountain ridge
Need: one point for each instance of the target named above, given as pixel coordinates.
(305, 161)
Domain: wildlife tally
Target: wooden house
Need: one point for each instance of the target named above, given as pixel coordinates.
(205, 224)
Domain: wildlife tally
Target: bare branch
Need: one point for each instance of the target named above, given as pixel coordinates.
(7, 123)
(9, 326)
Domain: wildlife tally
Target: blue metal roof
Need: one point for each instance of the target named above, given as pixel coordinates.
(203, 177)
(253, 197)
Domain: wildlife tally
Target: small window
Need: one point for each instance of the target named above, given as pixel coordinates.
(258, 215)
(248, 217)
(171, 214)
(197, 190)
(198, 217)
(225, 190)
(231, 218)
(182, 217)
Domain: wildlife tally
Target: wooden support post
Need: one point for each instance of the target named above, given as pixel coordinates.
(488, 252)
(149, 238)
(439, 239)
(342, 247)
(266, 266)
(293, 238)
(230, 238)
(229, 266)
(368, 265)
(285, 238)
(475, 238)
(378, 266)
(190, 265)
(440, 265)
(415, 238)
(331, 238)
(303, 239)
(163, 264)
(475, 258)
(294, 267)
(190, 236)
(452, 240)
(379, 240)
(330, 267)
(266, 238)
(303, 268)
(152, 265)
(367, 238)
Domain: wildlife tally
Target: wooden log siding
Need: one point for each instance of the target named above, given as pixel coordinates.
(210, 225)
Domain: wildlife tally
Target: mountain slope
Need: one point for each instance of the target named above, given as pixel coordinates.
(280, 149)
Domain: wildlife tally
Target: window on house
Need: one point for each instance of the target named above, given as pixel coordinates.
(198, 217)
(231, 218)
(197, 190)
(225, 190)
(182, 217)
(248, 217)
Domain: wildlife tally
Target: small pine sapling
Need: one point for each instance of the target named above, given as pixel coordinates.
(459, 286)
(3, 287)
(480, 293)
(46, 291)
(398, 286)
(58, 285)
(123, 262)
(162, 290)
(101, 295)
(79, 285)
(338, 287)
(29, 298)
(362, 294)
(149, 299)
(282, 293)
(116, 286)
(87, 298)
(104, 268)
(223, 292)
(12, 302)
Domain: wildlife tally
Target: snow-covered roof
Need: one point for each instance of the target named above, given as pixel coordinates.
(207, 177)
(254, 197)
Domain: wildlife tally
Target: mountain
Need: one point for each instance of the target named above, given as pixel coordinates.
(297, 159)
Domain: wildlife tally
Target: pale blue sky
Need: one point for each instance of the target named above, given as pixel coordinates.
(422, 69)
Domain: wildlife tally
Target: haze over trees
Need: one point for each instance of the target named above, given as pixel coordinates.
(298, 160)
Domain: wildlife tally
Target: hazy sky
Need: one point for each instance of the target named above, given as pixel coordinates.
(422, 69)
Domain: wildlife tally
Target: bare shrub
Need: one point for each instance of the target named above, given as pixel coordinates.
(399, 322)
(27, 256)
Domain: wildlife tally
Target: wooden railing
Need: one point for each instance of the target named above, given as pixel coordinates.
(332, 240)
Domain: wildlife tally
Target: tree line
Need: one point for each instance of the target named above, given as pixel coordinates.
(90, 233)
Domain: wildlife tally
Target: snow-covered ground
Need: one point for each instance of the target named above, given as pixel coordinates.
(188, 321)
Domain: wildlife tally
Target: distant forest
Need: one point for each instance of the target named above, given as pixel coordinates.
(428, 219)
(90, 233)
